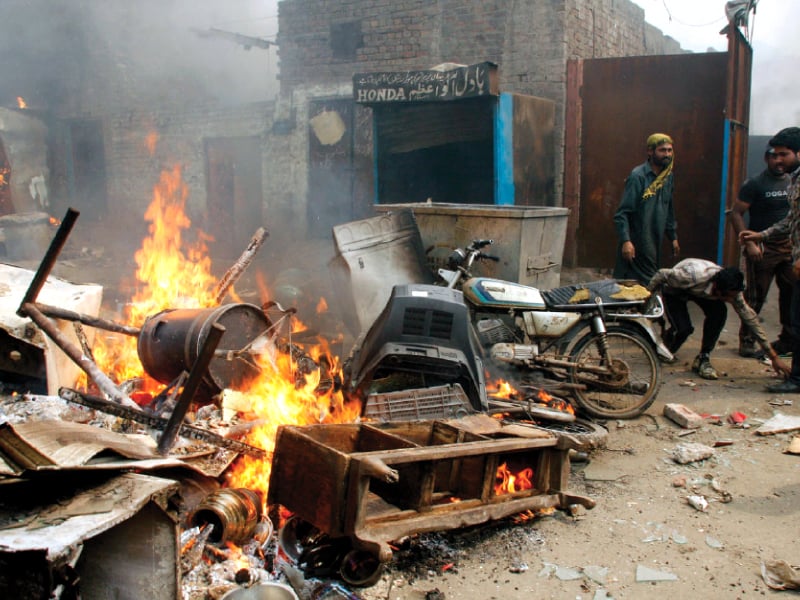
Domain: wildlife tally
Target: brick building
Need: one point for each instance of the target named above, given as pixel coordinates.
(323, 43)
(129, 90)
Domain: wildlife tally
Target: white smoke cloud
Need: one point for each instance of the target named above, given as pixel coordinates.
(772, 30)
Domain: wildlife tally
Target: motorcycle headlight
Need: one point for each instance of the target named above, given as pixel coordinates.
(456, 259)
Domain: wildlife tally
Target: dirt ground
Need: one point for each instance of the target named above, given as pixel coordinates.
(642, 521)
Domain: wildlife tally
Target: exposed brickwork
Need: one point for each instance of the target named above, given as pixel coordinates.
(129, 82)
(530, 41)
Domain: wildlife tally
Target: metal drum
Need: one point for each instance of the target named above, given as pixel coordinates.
(170, 341)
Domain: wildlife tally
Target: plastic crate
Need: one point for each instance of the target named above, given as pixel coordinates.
(440, 402)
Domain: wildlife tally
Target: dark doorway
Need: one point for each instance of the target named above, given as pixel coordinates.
(87, 175)
(234, 193)
(330, 174)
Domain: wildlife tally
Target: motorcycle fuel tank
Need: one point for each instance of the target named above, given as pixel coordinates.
(496, 293)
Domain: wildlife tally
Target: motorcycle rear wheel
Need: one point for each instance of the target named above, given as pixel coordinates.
(633, 390)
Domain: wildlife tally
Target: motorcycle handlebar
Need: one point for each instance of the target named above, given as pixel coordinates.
(477, 244)
(489, 257)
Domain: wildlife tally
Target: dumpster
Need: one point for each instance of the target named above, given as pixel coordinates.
(374, 255)
(529, 240)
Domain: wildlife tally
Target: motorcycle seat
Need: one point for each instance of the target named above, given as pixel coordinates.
(611, 293)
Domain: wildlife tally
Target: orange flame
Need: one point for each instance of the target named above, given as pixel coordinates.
(503, 389)
(174, 274)
(555, 403)
(21, 102)
(277, 400)
(151, 141)
(506, 482)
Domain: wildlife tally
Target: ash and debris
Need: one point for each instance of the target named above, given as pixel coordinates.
(210, 571)
(424, 559)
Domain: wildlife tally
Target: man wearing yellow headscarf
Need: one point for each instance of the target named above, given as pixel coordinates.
(646, 213)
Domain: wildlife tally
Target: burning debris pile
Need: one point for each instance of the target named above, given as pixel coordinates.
(214, 421)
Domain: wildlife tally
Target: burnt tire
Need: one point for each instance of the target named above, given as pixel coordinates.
(627, 393)
(581, 435)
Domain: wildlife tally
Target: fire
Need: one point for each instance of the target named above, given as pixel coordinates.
(506, 482)
(21, 102)
(503, 389)
(151, 141)
(276, 399)
(174, 274)
(555, 403)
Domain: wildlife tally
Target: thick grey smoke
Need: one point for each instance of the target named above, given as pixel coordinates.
(150, 48)
(772, 31)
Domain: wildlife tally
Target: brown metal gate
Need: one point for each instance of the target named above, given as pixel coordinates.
(613, 105)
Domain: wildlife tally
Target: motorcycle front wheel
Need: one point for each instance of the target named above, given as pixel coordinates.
(631, 380)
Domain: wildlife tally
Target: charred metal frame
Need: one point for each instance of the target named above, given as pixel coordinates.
(41, 315)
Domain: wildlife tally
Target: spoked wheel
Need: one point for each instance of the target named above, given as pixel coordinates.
(626, 387)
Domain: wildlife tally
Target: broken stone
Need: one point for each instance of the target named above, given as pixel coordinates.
(691, 452)
(794, 446)
(518, 567)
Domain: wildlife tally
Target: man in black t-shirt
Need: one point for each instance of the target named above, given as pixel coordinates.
(764, 198)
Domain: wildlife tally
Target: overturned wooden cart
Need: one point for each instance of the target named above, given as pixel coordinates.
(376, 483)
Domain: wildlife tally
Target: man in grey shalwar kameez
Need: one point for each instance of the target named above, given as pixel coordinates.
(646, 214)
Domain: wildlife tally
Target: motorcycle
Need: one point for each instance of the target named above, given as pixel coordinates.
(594, 341)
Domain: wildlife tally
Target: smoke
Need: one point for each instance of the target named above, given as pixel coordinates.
(152, 50)
(771, 29)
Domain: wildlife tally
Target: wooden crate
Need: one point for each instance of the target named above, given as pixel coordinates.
(377, 483)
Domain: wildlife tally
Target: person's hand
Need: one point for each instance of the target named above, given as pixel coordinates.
(796, 268)
(747, 235)
(676, 248)
(628, 251)
(781, 368)
(753, 251)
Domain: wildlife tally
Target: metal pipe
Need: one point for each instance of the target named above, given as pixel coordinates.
(100, 323)
(87, 365)
(193, 382)
(236, 270)
(49, 259)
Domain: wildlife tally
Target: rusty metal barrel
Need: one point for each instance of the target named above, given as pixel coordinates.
(170, 341)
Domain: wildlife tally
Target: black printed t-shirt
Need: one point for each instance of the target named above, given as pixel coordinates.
(768, 198)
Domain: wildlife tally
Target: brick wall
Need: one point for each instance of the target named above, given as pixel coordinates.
(530, 41)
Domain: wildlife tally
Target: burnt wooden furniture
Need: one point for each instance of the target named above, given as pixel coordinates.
(378, 483)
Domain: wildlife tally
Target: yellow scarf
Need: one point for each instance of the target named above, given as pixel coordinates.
(654, 141)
